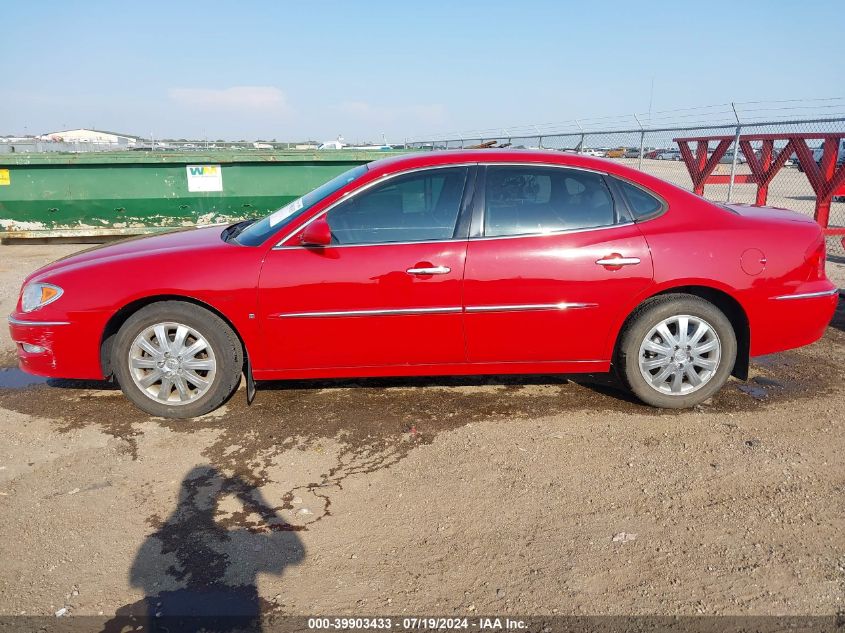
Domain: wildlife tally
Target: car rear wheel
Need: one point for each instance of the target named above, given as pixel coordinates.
(176, 360)
(677, 351)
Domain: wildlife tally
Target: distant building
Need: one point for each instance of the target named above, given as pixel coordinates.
(332, 145)
(98, 137)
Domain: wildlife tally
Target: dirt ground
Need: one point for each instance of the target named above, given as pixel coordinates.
(445, 496)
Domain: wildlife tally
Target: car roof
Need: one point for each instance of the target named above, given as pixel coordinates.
(441, 157)
(405, 162)
(461, 156)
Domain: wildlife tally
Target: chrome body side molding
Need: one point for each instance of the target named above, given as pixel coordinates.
(14, 321)
(512, 307)
(807, 295)
(356, 313)
(522, 307)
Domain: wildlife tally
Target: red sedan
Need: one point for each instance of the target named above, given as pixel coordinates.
(460, 262)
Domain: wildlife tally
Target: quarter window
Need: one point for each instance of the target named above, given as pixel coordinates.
(523, 200)
(642, 204)
(417, 207)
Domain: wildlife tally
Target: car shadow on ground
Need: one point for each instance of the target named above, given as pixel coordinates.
(604, 384)
(599, 384)
(199, 567)
(838, 321)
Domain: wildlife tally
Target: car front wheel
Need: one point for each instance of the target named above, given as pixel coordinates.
(176, 360)
(677, 351)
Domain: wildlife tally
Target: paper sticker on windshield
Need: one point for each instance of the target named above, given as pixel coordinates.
(5, 180)
(285, 212)
(205, 177)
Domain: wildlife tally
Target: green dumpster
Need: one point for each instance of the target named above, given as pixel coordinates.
(128, 193)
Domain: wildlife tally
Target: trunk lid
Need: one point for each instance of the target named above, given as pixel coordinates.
(767, 213)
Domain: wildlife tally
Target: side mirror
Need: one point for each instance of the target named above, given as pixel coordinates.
(317, 233)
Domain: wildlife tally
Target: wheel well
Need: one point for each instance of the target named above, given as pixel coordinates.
(119, 318)
(728, 305)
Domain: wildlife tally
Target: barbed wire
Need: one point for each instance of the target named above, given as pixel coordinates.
(717, 115)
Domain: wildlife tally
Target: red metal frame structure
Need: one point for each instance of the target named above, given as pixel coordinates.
(825, 179)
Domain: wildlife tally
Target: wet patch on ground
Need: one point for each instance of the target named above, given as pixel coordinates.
(14, 378)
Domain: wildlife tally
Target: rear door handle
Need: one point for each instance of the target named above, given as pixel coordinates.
(618, 260)
(433, 270)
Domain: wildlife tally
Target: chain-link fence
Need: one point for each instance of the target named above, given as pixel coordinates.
(656, 151)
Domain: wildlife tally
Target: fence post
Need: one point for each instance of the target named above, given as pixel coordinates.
(540, 142)
(642, 143)
(736, 154)
(642, 146)
(733, 163)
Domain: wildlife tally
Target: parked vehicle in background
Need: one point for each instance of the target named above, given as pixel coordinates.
(669, 154)
(619, 152)
(818, 152)
(455, 262)
(597, 152)
(728, 158)
(840, 157)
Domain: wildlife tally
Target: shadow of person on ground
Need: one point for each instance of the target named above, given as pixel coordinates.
(199, 569)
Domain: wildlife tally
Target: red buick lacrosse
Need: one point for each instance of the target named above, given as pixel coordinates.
(457, 262)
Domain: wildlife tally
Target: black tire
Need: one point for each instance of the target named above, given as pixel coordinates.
(649, 315)
(226, 347)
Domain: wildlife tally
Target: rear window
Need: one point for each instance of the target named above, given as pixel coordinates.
(642, 204)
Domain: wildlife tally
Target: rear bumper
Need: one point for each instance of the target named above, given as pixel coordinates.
(792, 320)
(60, 348)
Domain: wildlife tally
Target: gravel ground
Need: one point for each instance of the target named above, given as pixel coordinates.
(449, 496)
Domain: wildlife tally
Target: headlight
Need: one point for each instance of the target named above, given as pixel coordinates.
(37, 295)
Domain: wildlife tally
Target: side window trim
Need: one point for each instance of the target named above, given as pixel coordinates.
(463, 222)
(476, 230)
(621, 214)
(624, 215)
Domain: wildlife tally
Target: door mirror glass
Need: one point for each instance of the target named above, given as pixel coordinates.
(317, 233)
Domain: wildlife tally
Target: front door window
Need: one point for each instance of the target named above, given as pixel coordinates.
(417, 207)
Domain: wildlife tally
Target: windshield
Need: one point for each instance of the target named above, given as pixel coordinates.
(257, 232)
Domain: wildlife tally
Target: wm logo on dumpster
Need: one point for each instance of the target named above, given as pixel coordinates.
(203, 170)
(204, 178)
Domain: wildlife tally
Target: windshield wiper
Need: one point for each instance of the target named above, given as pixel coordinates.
(231, 232)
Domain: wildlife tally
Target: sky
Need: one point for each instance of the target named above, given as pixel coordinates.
(315, 70)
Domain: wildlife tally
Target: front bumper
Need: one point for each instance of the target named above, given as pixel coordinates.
(69, 348)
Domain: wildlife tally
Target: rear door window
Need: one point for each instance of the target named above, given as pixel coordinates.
(529, 199)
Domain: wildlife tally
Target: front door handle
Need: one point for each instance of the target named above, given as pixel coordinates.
(618, 260)
(432, 270)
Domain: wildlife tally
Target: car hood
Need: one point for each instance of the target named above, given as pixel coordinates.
(768, 213)
(193, 240)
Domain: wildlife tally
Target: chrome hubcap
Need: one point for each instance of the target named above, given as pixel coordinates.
(172, 363)
(680, 355)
